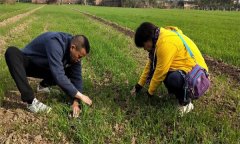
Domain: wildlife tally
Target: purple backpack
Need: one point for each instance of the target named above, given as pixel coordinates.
(196, 81)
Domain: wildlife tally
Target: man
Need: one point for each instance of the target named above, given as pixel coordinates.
(168, 62)
(54, 57)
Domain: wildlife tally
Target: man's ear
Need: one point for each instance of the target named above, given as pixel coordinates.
(73, 46)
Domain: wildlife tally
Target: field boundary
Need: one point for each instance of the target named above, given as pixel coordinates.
(217, 66)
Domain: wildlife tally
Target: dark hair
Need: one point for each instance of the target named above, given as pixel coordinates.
(81, 41)
(144, 33)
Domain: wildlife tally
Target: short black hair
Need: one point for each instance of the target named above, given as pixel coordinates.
(144, 33)
(81, 41)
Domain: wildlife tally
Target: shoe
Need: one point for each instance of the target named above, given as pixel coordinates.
(38, 106)
(41, 89)
(185, 109)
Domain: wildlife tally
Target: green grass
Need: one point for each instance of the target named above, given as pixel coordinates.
(215, 32)
(7, 11)
(109, 73)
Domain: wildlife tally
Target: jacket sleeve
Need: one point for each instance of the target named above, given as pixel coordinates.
(55, 56)
(145, 73)
(75, 74)
(165, 55)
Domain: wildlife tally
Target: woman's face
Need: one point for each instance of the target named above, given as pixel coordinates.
(148, 45)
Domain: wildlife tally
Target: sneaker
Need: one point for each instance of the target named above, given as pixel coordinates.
(185, 109)
(41, 89)
(38, 106)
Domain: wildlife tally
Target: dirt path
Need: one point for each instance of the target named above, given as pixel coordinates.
(18, 125)
(18, 17)
(2, 44)
(15, 119)
(14, 33)
(217, 67)
(27, 9)
(20, 28)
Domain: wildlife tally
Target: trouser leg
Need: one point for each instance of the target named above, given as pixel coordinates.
(175, 84)
(17, 63)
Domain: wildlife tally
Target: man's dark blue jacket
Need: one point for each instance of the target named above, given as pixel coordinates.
(51, 51)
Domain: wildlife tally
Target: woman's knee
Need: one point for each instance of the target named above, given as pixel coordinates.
(174, 80)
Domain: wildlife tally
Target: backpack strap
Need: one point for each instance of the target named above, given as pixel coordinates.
(185, 44)
(185, 86)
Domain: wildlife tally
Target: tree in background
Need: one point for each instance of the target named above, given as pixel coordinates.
(7, 1)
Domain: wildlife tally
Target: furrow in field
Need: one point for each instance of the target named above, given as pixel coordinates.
(18, 17)
(10, 14)
(14, 33)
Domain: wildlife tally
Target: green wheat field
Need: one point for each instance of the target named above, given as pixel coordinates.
(113, 67)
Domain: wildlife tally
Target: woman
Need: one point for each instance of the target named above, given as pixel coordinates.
(169, 61)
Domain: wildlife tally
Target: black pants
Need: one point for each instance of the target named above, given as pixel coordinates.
(21, 67)
(174, 82)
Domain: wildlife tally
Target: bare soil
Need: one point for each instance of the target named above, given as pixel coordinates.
(18, 125)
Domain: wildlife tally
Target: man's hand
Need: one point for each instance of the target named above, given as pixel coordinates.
(75, 109)
(84, 98)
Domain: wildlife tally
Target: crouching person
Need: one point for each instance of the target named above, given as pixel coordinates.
(169, 62)
(54, 57)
